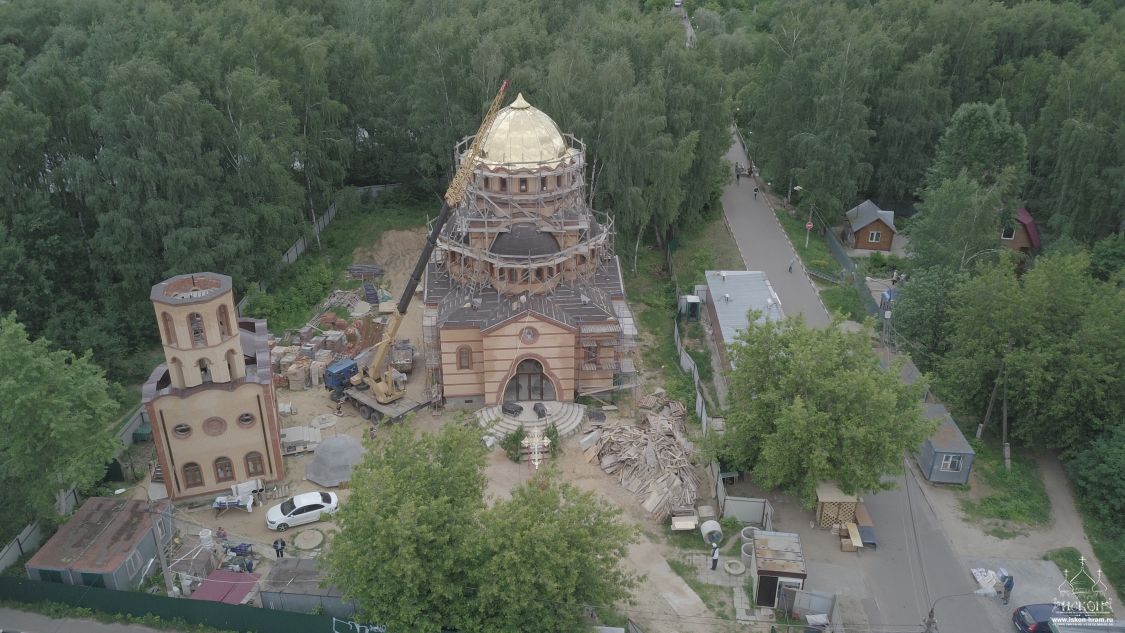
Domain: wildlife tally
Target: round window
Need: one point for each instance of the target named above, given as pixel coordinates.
(246, 420)
(214, 426)
(529, 335)
(182, 430)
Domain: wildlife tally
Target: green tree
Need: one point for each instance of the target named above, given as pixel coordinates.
(577, 542)
(959, 225)
(1107, 258)
(1098, 472)
(56, 424)
(922, 312)
(407, 530)
(983, 143)
(1056, 330)
(418, 550)
(813, 405)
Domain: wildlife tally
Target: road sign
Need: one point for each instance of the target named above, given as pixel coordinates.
(809, 226)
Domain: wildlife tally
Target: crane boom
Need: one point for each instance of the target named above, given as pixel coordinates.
(384, 389)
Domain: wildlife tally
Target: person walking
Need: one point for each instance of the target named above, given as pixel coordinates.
(279, 547)
(791, 262)
(755, 193)
(1009, 583)
(715, 556)
(737, 173)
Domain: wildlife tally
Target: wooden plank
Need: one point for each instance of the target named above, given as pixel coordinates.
(853, 535)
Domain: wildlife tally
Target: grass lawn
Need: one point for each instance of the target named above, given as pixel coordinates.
(706, 247)
(817, 254)
(293, 296)
(1015, 495)
(719, 599)
(844, 299)
(1108, 541)
(1068, 560)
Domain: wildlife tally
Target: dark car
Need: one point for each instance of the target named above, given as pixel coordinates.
(1036, 618)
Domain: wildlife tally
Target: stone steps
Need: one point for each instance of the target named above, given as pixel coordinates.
(567, 416)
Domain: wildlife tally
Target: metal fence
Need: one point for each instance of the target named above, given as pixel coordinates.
(214, 614)
(28, 540)
(840, 253)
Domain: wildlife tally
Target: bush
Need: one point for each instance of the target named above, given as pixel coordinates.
(513, 444)
(1098, 473)
(552, 434)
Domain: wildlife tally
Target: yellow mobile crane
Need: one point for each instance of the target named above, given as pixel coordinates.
(374, 386)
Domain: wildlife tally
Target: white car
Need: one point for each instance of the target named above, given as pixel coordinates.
(304, 508)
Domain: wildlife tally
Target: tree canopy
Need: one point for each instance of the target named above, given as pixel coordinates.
(55, 422)
(419, 550)
(806, 402)
(1058, 330)
(142, 140)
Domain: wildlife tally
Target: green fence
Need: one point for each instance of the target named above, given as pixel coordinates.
(215, 614)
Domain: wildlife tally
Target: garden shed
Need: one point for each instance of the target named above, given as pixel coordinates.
(834, 505)
(776, 560)
(946, 456)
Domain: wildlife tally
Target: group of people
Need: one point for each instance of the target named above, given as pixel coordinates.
(278, 544)
(739, 172)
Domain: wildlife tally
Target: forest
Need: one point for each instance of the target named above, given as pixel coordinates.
(144, 139)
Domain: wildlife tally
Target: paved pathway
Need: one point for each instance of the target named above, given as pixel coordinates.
(765, 246)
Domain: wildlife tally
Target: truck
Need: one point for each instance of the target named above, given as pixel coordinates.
(338, 380)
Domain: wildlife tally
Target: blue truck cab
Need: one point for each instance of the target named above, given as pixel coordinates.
(338, 374)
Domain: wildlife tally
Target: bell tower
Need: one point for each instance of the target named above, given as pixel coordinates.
(198, 329)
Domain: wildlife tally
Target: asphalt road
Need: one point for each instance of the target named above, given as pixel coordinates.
(765, 247)
(904, 580)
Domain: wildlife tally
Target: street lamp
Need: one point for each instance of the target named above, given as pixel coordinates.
(930, 623)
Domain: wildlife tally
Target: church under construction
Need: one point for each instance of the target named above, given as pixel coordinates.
(524, 298)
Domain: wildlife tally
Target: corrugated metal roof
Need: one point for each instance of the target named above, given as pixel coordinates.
(779, 553)
(734, 293)
(948, 437)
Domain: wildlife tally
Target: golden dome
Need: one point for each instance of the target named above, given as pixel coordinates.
(522, 134)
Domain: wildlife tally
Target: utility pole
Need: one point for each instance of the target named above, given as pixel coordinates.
(1004, 432)
(991, 399)
(160, 553)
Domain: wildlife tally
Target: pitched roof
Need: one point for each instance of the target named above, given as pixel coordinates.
(100, 535)
(1028, 222)
(948, 437)
(524, 239)
(867, 212)
(222, 585)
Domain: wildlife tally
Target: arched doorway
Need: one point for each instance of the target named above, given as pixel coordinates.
(529, 383)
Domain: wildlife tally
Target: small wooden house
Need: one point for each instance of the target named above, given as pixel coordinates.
(1023, 235)
(870, 228)
(946, 456)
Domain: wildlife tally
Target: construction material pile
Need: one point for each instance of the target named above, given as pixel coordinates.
(652, 461)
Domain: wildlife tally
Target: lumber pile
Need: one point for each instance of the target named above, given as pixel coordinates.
(652, 464)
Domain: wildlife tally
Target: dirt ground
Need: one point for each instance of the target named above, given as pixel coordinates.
(662, 601)
(1064, 529)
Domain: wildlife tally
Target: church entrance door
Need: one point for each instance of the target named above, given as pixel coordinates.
(529, 383)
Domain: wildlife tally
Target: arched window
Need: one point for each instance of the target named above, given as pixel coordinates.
(204, 370)
(224, 321)
(254, 464)
(169, 328)
(224, 469)
(193, 475)
(195, 326)
(464, 357)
